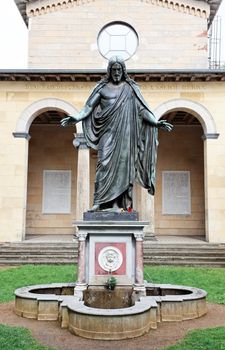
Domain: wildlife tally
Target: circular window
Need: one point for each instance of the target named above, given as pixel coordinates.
(117, 38)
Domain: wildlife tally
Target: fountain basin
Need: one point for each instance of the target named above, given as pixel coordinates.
(92, 318)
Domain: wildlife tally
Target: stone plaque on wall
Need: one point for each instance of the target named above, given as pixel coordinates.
(176, 194)
(56, 192)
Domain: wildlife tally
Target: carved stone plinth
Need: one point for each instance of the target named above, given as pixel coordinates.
(110, 248)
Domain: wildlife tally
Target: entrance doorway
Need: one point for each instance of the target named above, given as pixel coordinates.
(52, 168)
(179, 199)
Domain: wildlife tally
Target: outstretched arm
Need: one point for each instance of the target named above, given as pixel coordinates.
(84, 113)
(163, 124)
(150, 118)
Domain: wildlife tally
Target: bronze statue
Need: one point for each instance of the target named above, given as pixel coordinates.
(118, 123)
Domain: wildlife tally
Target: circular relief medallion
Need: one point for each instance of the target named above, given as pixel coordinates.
(110, 258)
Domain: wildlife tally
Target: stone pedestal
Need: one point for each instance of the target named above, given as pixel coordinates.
(110, 248)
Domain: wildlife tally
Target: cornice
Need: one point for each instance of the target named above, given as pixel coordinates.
(148, 75)
(31, 8)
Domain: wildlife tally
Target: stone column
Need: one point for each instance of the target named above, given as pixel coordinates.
(83, 176)
(81, 283)
(81, 278)
(147, 212)
(139, 263)
(16, 215)
(214, 213)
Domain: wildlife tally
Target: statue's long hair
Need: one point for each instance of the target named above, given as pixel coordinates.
(119, 60)
(107, 77)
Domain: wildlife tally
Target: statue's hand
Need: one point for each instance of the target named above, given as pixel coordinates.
(68, 120)
(163, 124)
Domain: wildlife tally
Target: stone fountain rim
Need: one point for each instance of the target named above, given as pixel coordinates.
(26, 292)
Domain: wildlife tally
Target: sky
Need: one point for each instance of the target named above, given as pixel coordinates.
(14, 36)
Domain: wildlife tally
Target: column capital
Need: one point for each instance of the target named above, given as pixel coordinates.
(139, 236)
(81, 236)
(80, 141)
(210, 136)
(22, 135)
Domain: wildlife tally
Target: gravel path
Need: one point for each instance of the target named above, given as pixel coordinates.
(166, 334)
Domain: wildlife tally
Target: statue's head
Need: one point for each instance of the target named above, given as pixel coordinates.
(116, 70)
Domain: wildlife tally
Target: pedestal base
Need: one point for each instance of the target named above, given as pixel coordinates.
(105, 215)
(79, 289)
(140, 290)
(110, 248)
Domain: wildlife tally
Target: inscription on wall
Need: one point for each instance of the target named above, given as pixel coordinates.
(176, 194)
(88, 86)
(56, 192)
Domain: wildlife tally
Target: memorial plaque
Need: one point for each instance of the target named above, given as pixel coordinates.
(56, 192)
(176, 197)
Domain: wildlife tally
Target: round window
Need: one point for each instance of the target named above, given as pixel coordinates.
(117, 38)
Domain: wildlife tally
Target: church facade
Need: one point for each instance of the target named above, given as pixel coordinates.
(47, 172)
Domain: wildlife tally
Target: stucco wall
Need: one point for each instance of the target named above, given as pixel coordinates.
(50, 148)
(15, 97)
(170, 35)
(181, 150)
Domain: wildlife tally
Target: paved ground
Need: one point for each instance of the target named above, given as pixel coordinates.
(167, 333)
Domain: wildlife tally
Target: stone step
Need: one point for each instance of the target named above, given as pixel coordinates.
(182, 257)
(146, 257)
(155, 253)
(36, 245)
(149, 254)
(38, 256)
(147, 245)
(37, 262)
(184, 246)
(152, 262)
(184, 263)
(38, 248)
(188, 253)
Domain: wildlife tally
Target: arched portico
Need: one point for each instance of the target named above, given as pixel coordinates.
(195, 108)
(196, 164)
(33, 110)
(44, 137)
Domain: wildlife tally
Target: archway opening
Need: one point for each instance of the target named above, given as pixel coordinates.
(180, 198)
(52, 169)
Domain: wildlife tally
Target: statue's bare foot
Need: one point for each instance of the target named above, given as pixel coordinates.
(95, 207)
(116, 208)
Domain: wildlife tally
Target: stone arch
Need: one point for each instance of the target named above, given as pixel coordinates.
(195, 108)
(30, 113)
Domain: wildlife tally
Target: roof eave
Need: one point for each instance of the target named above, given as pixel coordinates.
(94, 75)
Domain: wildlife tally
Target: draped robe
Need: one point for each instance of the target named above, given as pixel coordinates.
(126, 145)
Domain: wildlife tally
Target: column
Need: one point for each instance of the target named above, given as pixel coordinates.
(83, 176)
(81, 276)
(139, 273)
(147, 212)
(139, 264)
(13, 217)
(214, 190)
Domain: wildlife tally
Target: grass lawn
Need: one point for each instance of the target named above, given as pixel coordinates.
(210, 279)
(18, 338)
(26, 275)
(204, 339)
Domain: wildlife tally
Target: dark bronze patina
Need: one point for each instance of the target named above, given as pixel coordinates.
(119, 124)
